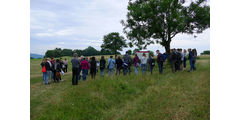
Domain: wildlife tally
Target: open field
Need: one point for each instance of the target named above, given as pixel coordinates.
(170, 96)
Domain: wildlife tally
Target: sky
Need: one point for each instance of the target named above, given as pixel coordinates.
(77, 24)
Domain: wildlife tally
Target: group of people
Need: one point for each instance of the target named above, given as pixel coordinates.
(178, 58)
(81, 65)
(54, 69)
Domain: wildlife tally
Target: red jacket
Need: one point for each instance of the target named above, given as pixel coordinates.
(84, 65)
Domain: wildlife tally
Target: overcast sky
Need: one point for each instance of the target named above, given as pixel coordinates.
(77, 24)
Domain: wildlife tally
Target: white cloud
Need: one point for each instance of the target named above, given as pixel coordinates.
(78, 24)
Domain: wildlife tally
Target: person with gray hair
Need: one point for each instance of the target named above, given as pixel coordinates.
(75, 69)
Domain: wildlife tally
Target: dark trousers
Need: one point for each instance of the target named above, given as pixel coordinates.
(173, 66)
(118, 71)
(160, 67)
(184, 62)
(75, 74)
(151, 68)
(65, 69)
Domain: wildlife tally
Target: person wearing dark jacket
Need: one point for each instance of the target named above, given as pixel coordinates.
(102, 66)
(151, 63)
(126, 64)
(172, 59)
(190, 58)
(45, 70)
(194, 59)
(57, 68)
(75, 69)
(160, 60)
(119, 64)
(93, 67)
(178, 60)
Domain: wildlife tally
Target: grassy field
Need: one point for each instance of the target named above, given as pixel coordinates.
(171, 96)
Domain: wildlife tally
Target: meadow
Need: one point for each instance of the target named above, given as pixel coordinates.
(170, 96)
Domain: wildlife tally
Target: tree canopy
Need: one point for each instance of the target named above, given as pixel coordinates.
(113, 42)
(89, 51)
(158, 21)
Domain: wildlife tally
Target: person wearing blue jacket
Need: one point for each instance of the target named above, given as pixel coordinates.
(111, 63)
(190, 58)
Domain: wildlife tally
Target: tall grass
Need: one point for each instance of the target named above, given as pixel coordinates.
(176, 96)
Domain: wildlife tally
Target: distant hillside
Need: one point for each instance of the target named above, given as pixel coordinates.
(36, 55)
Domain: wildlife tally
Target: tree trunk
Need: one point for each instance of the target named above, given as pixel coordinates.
(115, 53)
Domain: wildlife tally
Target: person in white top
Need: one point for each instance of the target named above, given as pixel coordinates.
(66, 65)
(143, 63)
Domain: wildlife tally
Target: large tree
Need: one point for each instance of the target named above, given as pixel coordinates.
(158, 21)
(113, 42)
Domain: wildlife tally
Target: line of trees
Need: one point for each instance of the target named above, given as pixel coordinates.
(89, 51)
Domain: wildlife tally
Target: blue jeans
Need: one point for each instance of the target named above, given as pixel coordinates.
(136, 69)
(191, 64)
(101, 72)
(84, 74)
(151, 68)
(125, 70)
(52, 75)
(110, 71)
(144, 68)
(194, 64)
(160, 67)
(45, 77)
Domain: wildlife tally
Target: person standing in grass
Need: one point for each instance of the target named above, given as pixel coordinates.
(80, 68)
(143, 63)
(194, 59)
(119, 64)
(102, 66)
(45, 70)
(85, 67)
(93, 67)
(75, 69)
(110, 67)
(184, 59)
(190, 58)
(57, 68)
(52, 61)
(126, 63)
(172, 60)
(160, 60)
(66, 65)
(151, 62)
(136, 63)
(50, 72)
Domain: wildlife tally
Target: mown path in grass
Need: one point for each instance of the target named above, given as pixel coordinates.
(178, 96)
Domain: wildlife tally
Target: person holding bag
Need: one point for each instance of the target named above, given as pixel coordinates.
(45, 70)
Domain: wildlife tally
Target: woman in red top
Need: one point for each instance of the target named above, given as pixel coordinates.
(85, 67)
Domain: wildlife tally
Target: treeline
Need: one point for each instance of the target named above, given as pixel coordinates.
(206, 52)
(90, 51)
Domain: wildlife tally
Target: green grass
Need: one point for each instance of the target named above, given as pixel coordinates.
(179, 96)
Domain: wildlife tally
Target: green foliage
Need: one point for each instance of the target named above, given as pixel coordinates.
(151, 52)
(66, 52)
(130, 52)
(113, 42)
(158, 21)
(135, 50)
(89, 51)
(206, 52)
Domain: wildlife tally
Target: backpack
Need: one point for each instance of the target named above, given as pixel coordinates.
(44, 69)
